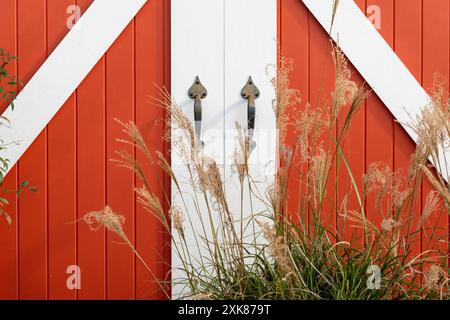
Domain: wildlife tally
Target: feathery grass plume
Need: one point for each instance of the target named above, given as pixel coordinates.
(431, 130)
(433, 277)
(309, 125)
(432, 127)
(441, 101)
(431, 204)
(320, 166)
(165, 165)
(177, 218)
(185, 143)
(388, 224)
(108, 219)
(438, 185)
(381, 180)
(114, 222)
(136, 139)
(345, 88)
(210, 180)
(285, 96)
(152, 204)
(360, 222)
(278, 248)
(127, 161)
(241, 154)
(347, 92)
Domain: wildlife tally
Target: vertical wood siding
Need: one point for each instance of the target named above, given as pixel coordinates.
(418, 31)
(69, 162)
(435, 58)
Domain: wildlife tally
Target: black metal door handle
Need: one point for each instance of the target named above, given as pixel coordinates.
(198, 92)
(250, 92)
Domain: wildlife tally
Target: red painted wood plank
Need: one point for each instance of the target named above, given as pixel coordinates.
(33, 263)
(436, 52)
(408, 46)
(91, 189)
(353, 147)
(379, 121)
(120, 100)
(8, 41)
(294, 44)
(151, 58)
(8, 242)
(61, 172)
(167, 151)
(91, 181)
(321, 85)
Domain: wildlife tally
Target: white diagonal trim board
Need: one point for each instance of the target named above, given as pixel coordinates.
(63, 72)
(375, 60)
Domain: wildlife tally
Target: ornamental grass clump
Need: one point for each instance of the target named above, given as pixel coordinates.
(371, 252)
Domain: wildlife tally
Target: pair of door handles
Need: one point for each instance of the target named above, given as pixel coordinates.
(250, 92)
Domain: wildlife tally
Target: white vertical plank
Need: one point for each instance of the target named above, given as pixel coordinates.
(224, 42)
(197, 49)
(250, 50)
